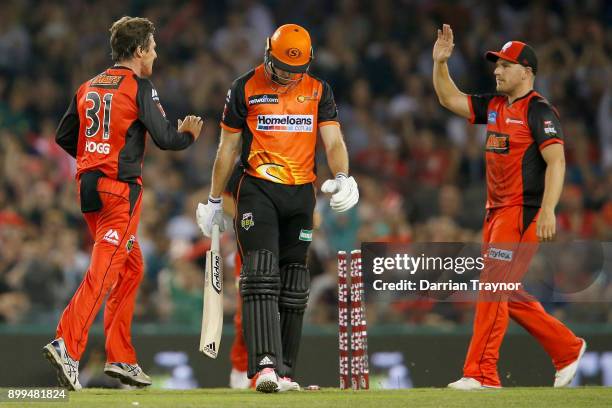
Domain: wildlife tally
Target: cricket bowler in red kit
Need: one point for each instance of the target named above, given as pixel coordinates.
(525, 164)
(105, 129)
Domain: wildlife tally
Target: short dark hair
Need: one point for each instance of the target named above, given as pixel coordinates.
(127, 34)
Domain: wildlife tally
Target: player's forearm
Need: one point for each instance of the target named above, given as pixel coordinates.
(553, 183)
(337, 157)
(443, 84)
(222, 168)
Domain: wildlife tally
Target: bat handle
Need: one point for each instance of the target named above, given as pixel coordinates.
(215, 238)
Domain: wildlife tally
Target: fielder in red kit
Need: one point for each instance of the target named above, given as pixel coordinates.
(525, 170)
(105, 129)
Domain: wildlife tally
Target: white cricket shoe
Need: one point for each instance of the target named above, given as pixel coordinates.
(267, 381)
(129, 374)
(239, 380)
(466, 384)
(67, 368)
(565, 375)
(287, 384)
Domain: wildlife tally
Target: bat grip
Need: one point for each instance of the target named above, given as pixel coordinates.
(214, 246)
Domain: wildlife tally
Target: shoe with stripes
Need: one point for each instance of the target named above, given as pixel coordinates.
(129, 374)
(67, 368)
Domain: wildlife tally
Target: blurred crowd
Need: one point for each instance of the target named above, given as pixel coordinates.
(420, 169)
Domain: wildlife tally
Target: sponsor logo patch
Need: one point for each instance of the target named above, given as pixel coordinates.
(263, 99)
(215, 273)
(266, 361)
(285, 123)
(306, 235)
(497, 143)
(112, 237)
(515, 121)
(212, 349)
(247, 221)
(492, 117)
(107, 81)
(500, 254)
(93, 147)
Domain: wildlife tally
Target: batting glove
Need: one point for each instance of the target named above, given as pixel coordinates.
(345, 193)
(210, 214)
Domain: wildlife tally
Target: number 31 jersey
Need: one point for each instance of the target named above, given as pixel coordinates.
(279, 125)
(106, 124)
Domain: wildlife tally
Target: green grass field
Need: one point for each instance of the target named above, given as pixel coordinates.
(421, 397)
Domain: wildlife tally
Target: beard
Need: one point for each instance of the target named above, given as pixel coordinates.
(501, 87)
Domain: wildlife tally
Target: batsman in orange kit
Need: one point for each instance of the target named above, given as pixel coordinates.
(105, 129)
(525, 165)
(273, 116)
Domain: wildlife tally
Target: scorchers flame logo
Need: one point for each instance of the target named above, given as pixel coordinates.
(276, 168)
(271, 170)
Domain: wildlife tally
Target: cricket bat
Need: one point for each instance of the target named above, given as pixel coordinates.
(212, 313)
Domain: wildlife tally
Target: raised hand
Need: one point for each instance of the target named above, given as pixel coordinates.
(443, 48)
(192, 124)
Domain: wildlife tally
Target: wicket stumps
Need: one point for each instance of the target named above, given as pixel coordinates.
(353, 348)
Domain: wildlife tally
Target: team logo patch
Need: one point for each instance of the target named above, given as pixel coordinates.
(549, 128)
(263, 99)
(285, 123)
(497, 143)
(306, 235)
(303, 98)
(130, 244)
(293, 53)
(247, 221)
(271, 171)
(500, 254)
(107, 81)
(157, 102)
(492, 117)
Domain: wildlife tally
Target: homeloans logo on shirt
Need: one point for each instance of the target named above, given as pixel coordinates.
(285, 123)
